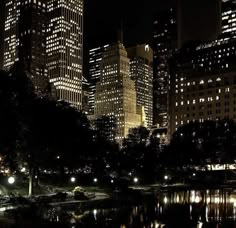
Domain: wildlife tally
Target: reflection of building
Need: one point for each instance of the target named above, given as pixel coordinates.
(141, 71)
(164, 44)
(65, 49)
(95, 57)
(24, 38)
(203, 83)
(115, 92)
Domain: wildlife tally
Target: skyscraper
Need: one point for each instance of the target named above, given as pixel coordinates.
(64, 47)
(141, 71)
(115, 92)
(24, 38)
(95, 58)
(164, 44)
(228, 14)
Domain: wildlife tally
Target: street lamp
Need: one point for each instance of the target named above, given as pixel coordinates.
(73, 179)
(11, 180)
(95, 180)
(135, 180)
(166, 177)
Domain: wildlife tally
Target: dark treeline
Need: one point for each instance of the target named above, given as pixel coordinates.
(38, 133)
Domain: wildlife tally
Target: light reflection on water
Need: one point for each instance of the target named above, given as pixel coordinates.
(192, 208)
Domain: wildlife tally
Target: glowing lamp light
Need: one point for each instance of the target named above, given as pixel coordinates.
(11, 180)
(95, 180)
(135, 180)
(73, 179)
(166, 177)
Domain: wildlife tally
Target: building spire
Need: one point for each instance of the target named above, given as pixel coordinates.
(120, 32)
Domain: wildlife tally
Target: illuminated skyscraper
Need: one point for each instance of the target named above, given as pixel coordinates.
(95, 58)
(115, 92)
(24, 38)
(141, 71)
(228, 16)
(164, 44)
(64, 47)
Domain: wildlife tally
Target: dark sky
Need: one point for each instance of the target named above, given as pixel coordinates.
(103, 19)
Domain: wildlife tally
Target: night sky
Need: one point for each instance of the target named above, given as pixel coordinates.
(103, 18)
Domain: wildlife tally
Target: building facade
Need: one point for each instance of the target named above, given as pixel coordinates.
(95, 58)
(141, 71)
(115, 92)
(203, 83)
(64, 47)
(164, 44)
(24, 39)
(228, 14)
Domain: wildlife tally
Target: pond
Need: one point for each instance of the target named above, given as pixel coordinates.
(170, 209)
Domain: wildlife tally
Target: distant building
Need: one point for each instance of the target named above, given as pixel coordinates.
(64, 47)
(24, 38)
(164, 45)
(115, 92)
(141, 71)
(228, 14)
(203, 83)
(95, 58)
(85, 95)
(104, 126)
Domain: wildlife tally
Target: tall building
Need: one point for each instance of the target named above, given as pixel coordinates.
(95, 58)
(228, 15)
(2, 19)
(64, 47)
(203, 83)
(24, 38)
(164, 44)
(141, 71)
(85, 95)
(115, 92)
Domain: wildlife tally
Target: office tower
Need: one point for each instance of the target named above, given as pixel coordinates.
(2, 19)
(141, 71)
(164, 44)
(228, 15)
(85, 95)
(203, 83)
(115, 92)
(198, 20)
(24, 38)
(64, 47)
(95, 57)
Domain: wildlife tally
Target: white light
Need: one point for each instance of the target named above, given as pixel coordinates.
(166, 177)
(72, 179)
(194, 174)
(165, 200)
(58, 157)
(95, 180)
(135, 180)
(11, 180)
(112, 181)
(23, 170)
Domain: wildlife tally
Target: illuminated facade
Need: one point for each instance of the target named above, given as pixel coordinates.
(164, 44)
(228, 16)
(115, 92)
(203, 83)
(141, 71)
(24, 38)
(64, 47)
(95, 58)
